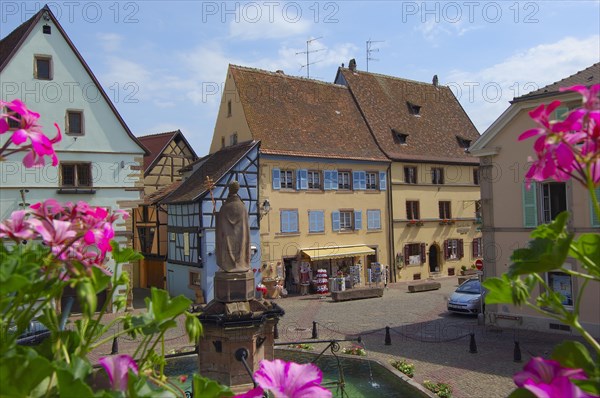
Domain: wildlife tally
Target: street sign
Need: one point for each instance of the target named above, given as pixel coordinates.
(479, 264)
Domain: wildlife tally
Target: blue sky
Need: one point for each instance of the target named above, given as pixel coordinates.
(163, 62)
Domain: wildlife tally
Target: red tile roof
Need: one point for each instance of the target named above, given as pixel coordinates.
(431, 136)
(161, 193)
(302, 117)
(585, 77)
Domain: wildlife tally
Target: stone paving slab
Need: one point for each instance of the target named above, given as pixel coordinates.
(421, 331)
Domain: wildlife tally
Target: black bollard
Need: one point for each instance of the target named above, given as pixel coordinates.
(115, 346)
(315, 335)
(517, 352)
(388, 339)
(473, 345)
(275, 332)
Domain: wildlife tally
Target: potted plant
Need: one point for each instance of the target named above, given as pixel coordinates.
(468, 271)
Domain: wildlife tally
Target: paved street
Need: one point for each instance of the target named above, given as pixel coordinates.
(421, 331)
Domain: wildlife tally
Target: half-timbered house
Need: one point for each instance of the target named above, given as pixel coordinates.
(192, 207)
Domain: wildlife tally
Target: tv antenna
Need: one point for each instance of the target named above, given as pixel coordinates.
(371, 50)
(308, 52)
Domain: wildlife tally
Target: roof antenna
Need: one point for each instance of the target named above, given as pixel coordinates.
(372, 50)
(308, 52)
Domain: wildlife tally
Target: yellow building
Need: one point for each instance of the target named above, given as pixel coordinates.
(434, 181)
(510, 211)
(323, 183)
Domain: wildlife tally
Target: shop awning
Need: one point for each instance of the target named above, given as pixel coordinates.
(337, 252)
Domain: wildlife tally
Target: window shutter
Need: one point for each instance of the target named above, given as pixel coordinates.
(312, 221)
(561, 113)
(276, 179)
(474, 249)
(320, 221)
(446, 250)
(595, 218)
(334, 179)
(461, 248)
(357, 219)
(302, 179)
(356, 180)
(423, 255)
(406, 259)
(530, 216)
(294, 221)
(326, 180)
(284, 218)
(335, 220)
(382, 181)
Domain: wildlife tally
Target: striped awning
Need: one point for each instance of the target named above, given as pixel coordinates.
(337, 252)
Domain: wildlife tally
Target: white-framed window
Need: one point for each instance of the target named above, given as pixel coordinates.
(314, 179)
(477, 248)
(316, 221)
(414, 254)
(453, 249)
(554, 200)
(289, 221)
(445, 210)
(344, 180)
(373, 219)
(437, 175)
(372, 178)
(287, 179)
(410, 174)
(412, 210)
(346, 220)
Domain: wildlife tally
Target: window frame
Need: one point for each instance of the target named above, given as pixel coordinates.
(437, 175)
(68, 114)
(233, 139)
(410, 175)
(547, 277)
(228, 108)
(445, 213)
(283, 179)
(546, 201)
(76, 184)
(374, 185)
(476, 176)
(310, 180)
(454, 249)
(412, 207)
(43, 57)
(341, 174)
(350, 215)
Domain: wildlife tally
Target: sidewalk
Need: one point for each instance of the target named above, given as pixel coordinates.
(421, 331)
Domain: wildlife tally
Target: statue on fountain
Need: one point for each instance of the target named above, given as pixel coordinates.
(232, 243)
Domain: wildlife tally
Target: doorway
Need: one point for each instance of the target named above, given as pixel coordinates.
(434, 265)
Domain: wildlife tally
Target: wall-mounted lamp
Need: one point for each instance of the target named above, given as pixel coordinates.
(265, 208)
(122, 164)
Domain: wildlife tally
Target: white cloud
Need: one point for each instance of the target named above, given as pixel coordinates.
(110, 42)
(485, 93)
(259, 24)
(432, 29)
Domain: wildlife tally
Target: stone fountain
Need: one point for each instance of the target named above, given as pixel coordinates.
(235, 323)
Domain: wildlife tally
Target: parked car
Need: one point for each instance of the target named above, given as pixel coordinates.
(466, 299)
(34, 335)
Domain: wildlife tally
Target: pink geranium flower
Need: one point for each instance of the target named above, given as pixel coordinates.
(16, 227)
(118, 367)
(546, 378)
(288, 380)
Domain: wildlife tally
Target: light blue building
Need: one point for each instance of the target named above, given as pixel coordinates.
(191, 261)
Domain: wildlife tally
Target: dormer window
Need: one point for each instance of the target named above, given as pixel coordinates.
(399, 137)
(413, 109)
(463, 142)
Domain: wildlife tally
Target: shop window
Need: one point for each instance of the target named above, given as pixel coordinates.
(453, 249)
(445, 210)
(414, 254)
(410, 174)
(412, 210)
(562, 284)
(289, 221)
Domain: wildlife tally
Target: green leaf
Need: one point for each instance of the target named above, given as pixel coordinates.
(591, 386)
(573, 354)
(70, 386)
(542, 255)
(86, 294)
(165, 308)
(552, 230)
(586, 249)
(193, 327)
(13, 283)
(506, 289)
(23, 373)
(206, 388)
(521, 393)
(125, 254)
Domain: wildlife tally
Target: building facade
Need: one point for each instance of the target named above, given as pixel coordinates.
(99, 158)
(434, 181)
(323, 184)
(511, 211)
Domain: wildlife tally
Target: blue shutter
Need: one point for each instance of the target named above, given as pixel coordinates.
(359, 180)
(334, 179)
(294, 221)
(311, 221)
(357, 219)
(530, 211)
(285, 222)
(316, 222)
(326, 180)
(321, 221)
(373, 219)
(302, 179)
(276, 179)
(335, 220)
(595, 218)
(377, 219)
(382, 180)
